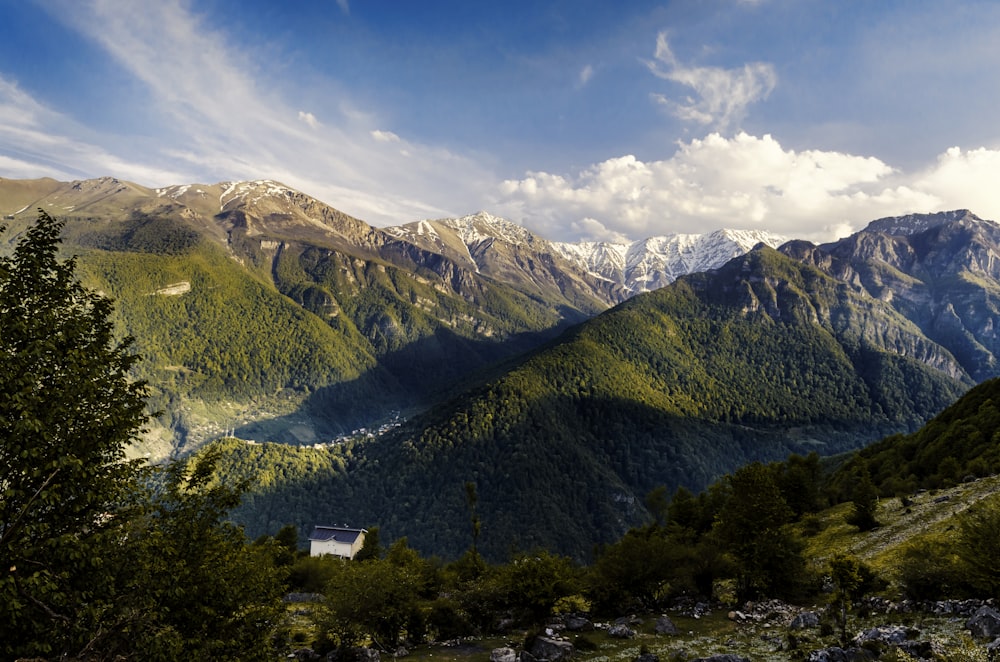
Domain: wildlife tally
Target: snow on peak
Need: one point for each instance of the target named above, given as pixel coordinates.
(654, 262)
(252, 191)
(483, 225)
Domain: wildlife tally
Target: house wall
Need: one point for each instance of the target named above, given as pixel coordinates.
(332, 547)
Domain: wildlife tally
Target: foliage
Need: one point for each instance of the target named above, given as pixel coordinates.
(752, 525)
(201, 590)
(852, 580)
(67, 411)
(103, 560)
(978, 547)
(961, 441)
(864, 502)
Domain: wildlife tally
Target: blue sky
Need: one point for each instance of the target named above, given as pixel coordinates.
(579, 119)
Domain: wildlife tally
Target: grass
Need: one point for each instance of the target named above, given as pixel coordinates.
(927, 513)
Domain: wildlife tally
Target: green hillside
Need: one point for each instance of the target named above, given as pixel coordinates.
(762, 358)
(961, 443)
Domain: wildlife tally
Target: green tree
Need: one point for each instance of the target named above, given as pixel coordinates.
(68, 410)
(192, 587)
(852, 580)
(978, 546)
(864, 502)
(752, 526)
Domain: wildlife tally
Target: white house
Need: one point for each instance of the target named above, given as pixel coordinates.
(336, 541)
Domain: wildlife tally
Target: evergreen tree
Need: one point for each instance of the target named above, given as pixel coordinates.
(864, 503)
(68, 409)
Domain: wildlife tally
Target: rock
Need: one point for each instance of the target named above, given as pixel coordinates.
(984, 624)
(621, 631)
(553, 650)
(357, 654)
(887, 634)
(503, 655)
(728, 657)
(648, 657)
(665, 626)
(807, 619)
(837, 654)
(401, 652)
(578, 624)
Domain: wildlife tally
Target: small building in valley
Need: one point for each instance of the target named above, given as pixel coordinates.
(336, 541)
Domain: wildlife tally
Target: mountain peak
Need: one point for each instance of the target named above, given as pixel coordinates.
(911, 224)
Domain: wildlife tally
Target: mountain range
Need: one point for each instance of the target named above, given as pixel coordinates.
(563, 381)
(375, 323)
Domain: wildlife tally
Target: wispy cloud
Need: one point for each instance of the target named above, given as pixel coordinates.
(721, 95)
(585, 75)
(228, 117)
(345, 6)
(384, 136)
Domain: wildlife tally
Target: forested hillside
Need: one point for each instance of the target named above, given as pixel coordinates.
(259, 310)
(764, 357)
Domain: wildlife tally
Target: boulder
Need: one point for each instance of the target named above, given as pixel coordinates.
(665, 626)
(984, 624)
(728, 657)
(621, 631)
(887, 634)
(837, 654)
(807, 619)
(648, 657)
(503, 655)
(578, 624)
(553, 650)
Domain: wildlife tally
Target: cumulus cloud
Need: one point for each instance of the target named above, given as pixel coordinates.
(715, 182)
(965, 180)
(721, 95)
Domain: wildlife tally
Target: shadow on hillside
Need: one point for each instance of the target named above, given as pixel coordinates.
(566, 475)
(404, 383)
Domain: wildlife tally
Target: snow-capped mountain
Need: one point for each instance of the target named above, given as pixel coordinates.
(634, 267)
(652, 263)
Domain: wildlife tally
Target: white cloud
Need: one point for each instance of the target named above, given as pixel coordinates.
(309, 119)
(965, 180)
(384, 136)
(36, 141)
(227, 117)
(723, 95)
(716, 182)
(345, 6)
(585, 75)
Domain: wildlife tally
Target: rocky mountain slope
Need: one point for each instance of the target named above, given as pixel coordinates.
(649, 264)
(260, 310)
(940, 271)
(762, 357)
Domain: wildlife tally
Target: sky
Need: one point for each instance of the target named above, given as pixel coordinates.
(579, 119)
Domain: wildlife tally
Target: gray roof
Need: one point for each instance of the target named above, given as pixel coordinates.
(336, 533)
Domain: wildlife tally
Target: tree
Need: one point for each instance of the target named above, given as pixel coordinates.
(68, 410)
(194, 587)
(752, 526)
(978, 546)
(864, 503)
(852, 580)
